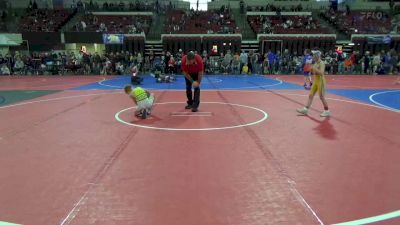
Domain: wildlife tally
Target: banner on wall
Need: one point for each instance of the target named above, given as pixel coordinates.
(10, 39)
(380, 40)
(113, 39)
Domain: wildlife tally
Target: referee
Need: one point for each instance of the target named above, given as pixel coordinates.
(193, 69)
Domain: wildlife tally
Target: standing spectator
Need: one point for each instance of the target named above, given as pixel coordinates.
(241, 6)
(225, 63)
(166, 60)
(139, 60)
(265, 66)
(340, 60)
(151, 58)
(387, 63)
(178, 57)
(236, 64)
(376, 62)
(354, 61)
(277, 63)
(366, 60)
(328, 64)
(271, 61)
(394, 62)
(244, 59)
(171, 65)
(251, 61)
(286, 59)
(34, 5)
(256, 63)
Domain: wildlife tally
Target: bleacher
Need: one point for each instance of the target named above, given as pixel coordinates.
(286, 25)
(115, 24)
(44, 20)
(359, 22)
(179, 22)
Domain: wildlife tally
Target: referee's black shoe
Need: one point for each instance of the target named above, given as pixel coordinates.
(188, 106)
(194, 109)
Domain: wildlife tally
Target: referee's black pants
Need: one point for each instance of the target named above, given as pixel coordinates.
(194, 101)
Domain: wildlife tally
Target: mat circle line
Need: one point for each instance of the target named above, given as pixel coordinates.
(371, 98)
(218, 81)
(265, 116)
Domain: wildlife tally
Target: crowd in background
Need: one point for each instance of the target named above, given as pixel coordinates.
(113, 24)
(59, 63)
(134, 5)
(119, 63)
(275, 24)
(287, 63)
(193, 21)
(351, 22)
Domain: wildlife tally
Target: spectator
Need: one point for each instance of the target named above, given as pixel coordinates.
(256, 63)
(387, 63)
(226, 62)
(366, 62)
(376, 62)
(244, 59)
(5, 70)
(277, 62)
(251, 61)
(19, 66)
(171, 65)
(34, 5)
(394, 62)
(265, 66)
(286, 59)
(236, 64)
(245, 69)
(271, 61)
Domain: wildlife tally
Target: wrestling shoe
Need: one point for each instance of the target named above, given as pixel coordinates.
(325, 113)
(303, 111)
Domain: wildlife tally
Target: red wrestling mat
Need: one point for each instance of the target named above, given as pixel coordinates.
(65, 159)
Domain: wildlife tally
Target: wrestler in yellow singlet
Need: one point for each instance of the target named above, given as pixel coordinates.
(318, 70)
(319, 79)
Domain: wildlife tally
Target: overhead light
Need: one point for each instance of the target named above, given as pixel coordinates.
(351, 44)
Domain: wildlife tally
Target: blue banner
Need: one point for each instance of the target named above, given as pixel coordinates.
(113, 39)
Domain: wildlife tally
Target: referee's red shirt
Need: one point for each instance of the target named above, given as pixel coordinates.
(197, 67)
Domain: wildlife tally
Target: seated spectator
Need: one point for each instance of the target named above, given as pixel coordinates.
(19, 66)
(4, 70)
(245, 69)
